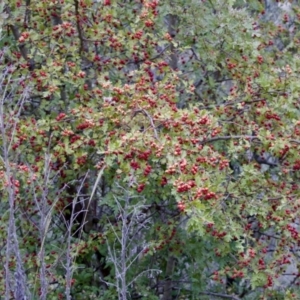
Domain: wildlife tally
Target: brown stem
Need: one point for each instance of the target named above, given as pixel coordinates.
(168, 283)
(83, 45)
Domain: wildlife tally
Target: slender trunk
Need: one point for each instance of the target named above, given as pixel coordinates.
(123, 253)
(168, 282)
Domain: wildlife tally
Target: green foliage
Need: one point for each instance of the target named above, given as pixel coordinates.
(149, 149)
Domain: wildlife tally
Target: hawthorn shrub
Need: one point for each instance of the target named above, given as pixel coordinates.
(149, 149)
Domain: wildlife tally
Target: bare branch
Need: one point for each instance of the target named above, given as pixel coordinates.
(224, 296)
(229, 137)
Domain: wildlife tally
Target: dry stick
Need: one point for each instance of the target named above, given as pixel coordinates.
(93, 192)
(152, 123)
(121, 266)
(224, 296)
(12, 239)
(69, 262)
(8, 244)
(43, 228)
(123, 261)
(125, 242)
(123, 251)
